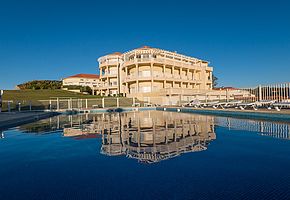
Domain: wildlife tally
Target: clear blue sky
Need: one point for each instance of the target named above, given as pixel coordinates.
(247, 42)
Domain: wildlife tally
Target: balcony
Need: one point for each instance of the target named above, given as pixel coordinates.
(108, 86)
(160, 76)
(109, 75)
(165, 61)
(108, 63)
(183, 91)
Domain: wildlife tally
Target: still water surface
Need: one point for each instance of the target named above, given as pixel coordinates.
(145, 155)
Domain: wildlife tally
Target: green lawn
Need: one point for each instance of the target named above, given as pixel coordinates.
(32, 98)
(16, 95)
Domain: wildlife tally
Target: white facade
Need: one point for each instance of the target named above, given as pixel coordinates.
(90, 80)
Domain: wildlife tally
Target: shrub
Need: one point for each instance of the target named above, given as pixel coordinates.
(40, 84)
(79, 87)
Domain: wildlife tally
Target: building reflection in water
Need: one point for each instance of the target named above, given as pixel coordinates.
(264, 128)
(153, 136)
(141, 125)
(149, 136)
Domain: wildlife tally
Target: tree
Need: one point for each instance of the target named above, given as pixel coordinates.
(86, 89)
(82, 89)
(214, 81)
(42, 84)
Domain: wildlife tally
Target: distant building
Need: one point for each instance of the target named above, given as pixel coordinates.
(91, 80)
(229, 93)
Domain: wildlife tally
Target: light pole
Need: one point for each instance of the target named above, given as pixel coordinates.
(1, 93)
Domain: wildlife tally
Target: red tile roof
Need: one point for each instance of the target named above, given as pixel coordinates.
(85, 76)
(116, 53)
(145, 47)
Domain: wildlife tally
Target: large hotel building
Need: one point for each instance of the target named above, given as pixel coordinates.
(152, 74)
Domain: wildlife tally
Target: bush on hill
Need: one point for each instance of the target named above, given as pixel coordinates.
(40, 85)
(82, 89)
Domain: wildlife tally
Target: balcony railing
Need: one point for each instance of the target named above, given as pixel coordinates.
(185, 91)
(161, 76)
(106, 85)
(109, 63)
(109, 74)
(168, 62)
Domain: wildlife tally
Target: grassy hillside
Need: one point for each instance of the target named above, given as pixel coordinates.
(32, 97)
(41, 94)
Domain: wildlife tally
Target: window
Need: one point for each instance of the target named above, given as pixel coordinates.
(145, 74)
(145, 55)
(113, 72)
(132, 90)
(145, 89)
(113, 60)
(114, 83)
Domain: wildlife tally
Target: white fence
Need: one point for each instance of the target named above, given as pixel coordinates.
(57, 104)
(276, 92)
(265, 128)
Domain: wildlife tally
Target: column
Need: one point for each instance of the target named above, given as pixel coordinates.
(260, 93)
(50, 104)
(139, 132)
(118, 104)
(57, 104)
(103, 102)
(227, 95)
(151, 73)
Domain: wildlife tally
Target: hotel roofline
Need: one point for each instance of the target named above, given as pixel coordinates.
(154, 50)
